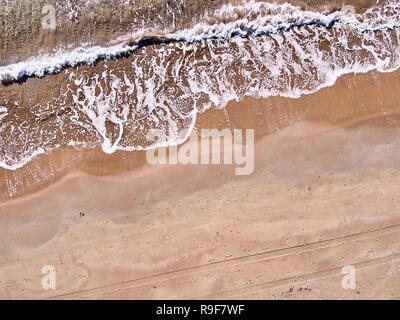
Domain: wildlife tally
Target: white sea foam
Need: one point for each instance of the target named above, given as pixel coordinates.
(3, 112)
(261, 50)
(275, 17)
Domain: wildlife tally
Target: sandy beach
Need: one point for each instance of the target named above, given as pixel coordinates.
(324, 194)
(79, 194)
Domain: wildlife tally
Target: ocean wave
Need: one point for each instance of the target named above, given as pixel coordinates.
(250, 19)
(257, 49)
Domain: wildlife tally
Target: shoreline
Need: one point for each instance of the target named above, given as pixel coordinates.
(110, 104)
(324, 194)
(276, 113)
(172, 225)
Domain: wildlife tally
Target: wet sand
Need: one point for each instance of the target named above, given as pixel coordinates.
(324, 194)
(100, 22)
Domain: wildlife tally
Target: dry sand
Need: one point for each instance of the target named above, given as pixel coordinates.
(324, 194)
